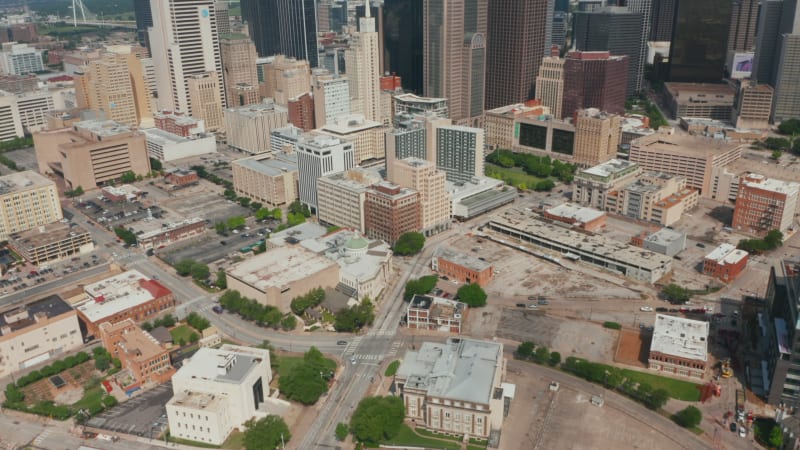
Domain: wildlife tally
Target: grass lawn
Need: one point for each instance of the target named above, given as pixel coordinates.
(437, 436)
(678, 389)
(192, 443)
(392, 368)
(476, 447)
(287, 363)
(516, 173)
(183, 331)
(406, 436)
(91, 396)
(235, 441)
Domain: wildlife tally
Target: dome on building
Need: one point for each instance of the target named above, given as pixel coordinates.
(356, 245)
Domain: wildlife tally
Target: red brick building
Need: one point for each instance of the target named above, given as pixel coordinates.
(24, 32)
(391, 83)
(764, 204)
(173, 232)
(138, 351)
(390, 211)
(181, 177)
(177, 123)
(301, 112)
(594, 80)
(461, 267)
(725, 262)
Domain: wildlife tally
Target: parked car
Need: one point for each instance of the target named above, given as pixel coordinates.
(733, 427)
(543, 302)
(341, 343)
(217, 309)
(532, 306)
(520, 305)
(646, 309)
(742, 431)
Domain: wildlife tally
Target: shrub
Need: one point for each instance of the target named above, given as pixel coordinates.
(688, 417)
(612, 325)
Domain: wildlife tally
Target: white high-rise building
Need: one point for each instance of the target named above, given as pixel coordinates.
(184, 42)
(319, 156)
(20, 59)
(363, 68)
(331, 96)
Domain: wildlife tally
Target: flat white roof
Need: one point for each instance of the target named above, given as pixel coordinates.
(772, 184)
(734, 257)
(719, 253)
(684, 338)
(609, 168)
(119, 293)
(228, 364)
(579, 213)
(279, 266)
(349, 124)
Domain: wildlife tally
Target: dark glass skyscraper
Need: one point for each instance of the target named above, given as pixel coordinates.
(402, 39)
(144, 20)
(699, 41)
(287, 27)
(663, 16)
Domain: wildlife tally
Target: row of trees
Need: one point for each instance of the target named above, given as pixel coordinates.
(771, 241)
(301, 303)
(197, 270)
(420, 286)
(307, 380)
(167, 321)
(262, 315)
(233, 223)
(77, 192)
(266, 213)
(197, 321)
(409, 243)
(614, 378)
(205, 174)
(538, 166)
(540, 355)
(55, 368)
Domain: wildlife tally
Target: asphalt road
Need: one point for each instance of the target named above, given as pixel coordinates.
(39, 290)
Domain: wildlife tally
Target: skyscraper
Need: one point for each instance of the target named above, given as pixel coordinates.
(223, 17)
(786, 101)
(518, 37)
(363, 69)
(331, 96)
(319, 156)
(454, 66)
(203, 90)
(617, 30)
(699, 41)
(594, 80)
(144, 20)
(661, 23)
(742, 34)
(459, 152)
(376, 12)
(769, 20)
(287, 27)
(184, 42)
(550, 83)
(239, 69)
(645, 9)
(403, 42)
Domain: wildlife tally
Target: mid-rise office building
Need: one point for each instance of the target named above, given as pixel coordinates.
(391, 210)
(593, 185)
(454, 33)
(499, 123)
(653, 197)
(545, 135)
(27, 200)
(286, 78)
(365, 135)
(20, 59)
(283, 28)
(518, 35)
(422, 176)
(764, 204)
(679, 346)
(414, 104)
(700, 100)
(165, 146)
(91, 153)
(597, 136)
(284, 139)
(462, 267)
(271, 180)
(550, 83)
(725, 262)
(206, 102)
(699, 41)
(319, 156)
(179, 123)
(30, 108)
(752, 105)
(51, 242)
(594, 80)
(435, 313)
(341, 196)
(301, 112)
(238, 54)
(248, 128)
(36, 332)
(558, 31)
(331, 96)
(459, 152)
(138, 351)
(742, 33)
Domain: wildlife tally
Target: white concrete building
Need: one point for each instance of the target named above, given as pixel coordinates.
(679, 346)
(362, 60)
(20, 59)
(331, 96)
(366, 135)
(318, 156)
(340, 197)
(282, 137)
(218, 390)
(248, 128)
(32, 107)
(10, 122)
(165, 146)
(27, 200)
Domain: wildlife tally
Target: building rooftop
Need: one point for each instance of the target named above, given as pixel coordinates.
(356, 179)
(270, 165)
(45, 234)
(227, 364)
(518, 109)
(459, 369)
(161, 137)
(665, 235)
(199, 400)
(138, 344)
(609, 168)
(685, 145)
(289, 132)
(533, 224)
(23, 181)
(462, 259)
(356, 255)
(279, 266)
(102, 128)
(650, 182)
(707, 91)
(24, 316)
(726, 254)
(439, 307)
(349, 124)
(297, 234)
(684, 338)
(177, 117)
(319, 141)
(392, 191)
(156, 229)
(412, 98)
(119, 293)
(578, 213)
(753, 180)
(257, 110)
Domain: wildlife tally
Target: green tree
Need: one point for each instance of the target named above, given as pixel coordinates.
(194, 337)
(377, 419)
(657, 399)
(544, 185)
(304, 384)
(127, 177)
(244, 201)
(197, 321)
(126, 235)
(525, 350)
(775, 439)
(77, 192)
(184, 267)
(776, 154)
(222, 279)
(688, 417)
(294, 219)
(472, 294)
(541, 355)
(13, 394)
(555, 359)
(774, 239)
(220, 227)
(299, 208)
(236, 222)
(355, 317)
(773, 143)
(676, 294)
(102, 362)
(263, 213)
(789, 127)
(342, 431)
(288, 323)
(266, 433)
(409, 243)
(420, 286)
(200, 271)
(156, 165)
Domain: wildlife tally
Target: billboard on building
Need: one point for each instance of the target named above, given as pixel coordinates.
(742, 65)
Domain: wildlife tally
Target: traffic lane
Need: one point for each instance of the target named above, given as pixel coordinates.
(57, 284)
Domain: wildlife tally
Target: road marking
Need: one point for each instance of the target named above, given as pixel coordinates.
(41, 437)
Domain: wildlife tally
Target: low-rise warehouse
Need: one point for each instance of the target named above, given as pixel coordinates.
(679, 346)
(725, 262)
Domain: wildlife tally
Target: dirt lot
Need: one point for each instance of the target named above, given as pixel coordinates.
(632, 348)
(567, 420)
(206, 203)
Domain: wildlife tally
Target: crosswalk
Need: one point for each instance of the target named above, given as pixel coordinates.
(368, 357)
(353, 345)
(394, 348)
(41, 437)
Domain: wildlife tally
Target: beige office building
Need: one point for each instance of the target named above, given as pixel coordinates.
(267, 179)
(37, 332)
(693, 157)
(550, 84)
(366, 136)
(362, 60)
(752, 105)
(422, 176)
(653, 197)
(239, 69)
(340, 197)
(286, 78)
(592, 185)
(597, 137)
(27, 200)
(499, 123)
(205, 99)
(91, 153)
(52, 242)
(248, 128)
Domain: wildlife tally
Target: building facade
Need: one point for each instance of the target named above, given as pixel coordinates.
(435, 313)
(171, 233)
(679, 346)
(319, 156)
(597, 137)
(459, 152)
(725, 262)
(461, 267)
(139, 352)
(20, 59)
(362, 59)
(550, 83)
(341, 197)
(51, 242)
(423, 177)
(594, 80)
(238, 54)
(390, 211)
(593, 185)
(699, 41)
(365, 135)
(331, 97)
(283, 28)
(752, 105)
(248, 128)
(765, 204)
(27, 200)
(653, 197)
(206, 103)
(701, 100)
(271, 180)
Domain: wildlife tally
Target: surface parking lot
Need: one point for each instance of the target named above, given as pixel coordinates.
(199, 202)
(210, 247)
(138, 416)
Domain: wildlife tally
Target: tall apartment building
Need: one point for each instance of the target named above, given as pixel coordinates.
(286, 78)
(362, 60)
(238, 54)
(50, 327)
(20, 59)
(653, 197)
(764, 204)
(341, 197)
(518, 35)
(699, 41)
(403, 42)
(184, 41)
(249, 128)
(268, 179)
(390, 211)
(286, 27)
(454, 33)
(550, 83)
(319, 156)
(27, 200)
(690, 156)
(91, 153)
(752, 105)
(366, 136)
(593, 185)
(597, 136)
(459, 152)
(204, 97)
(616, 30)
(407, 139)
(331, 96)
(422, 176)
(594, 80)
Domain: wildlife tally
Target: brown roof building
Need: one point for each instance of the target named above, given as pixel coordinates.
(594, 80)
(138, 351)
(390, 211)
(461, 267)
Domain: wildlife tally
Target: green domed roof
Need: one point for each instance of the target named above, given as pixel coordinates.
(356, 243)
